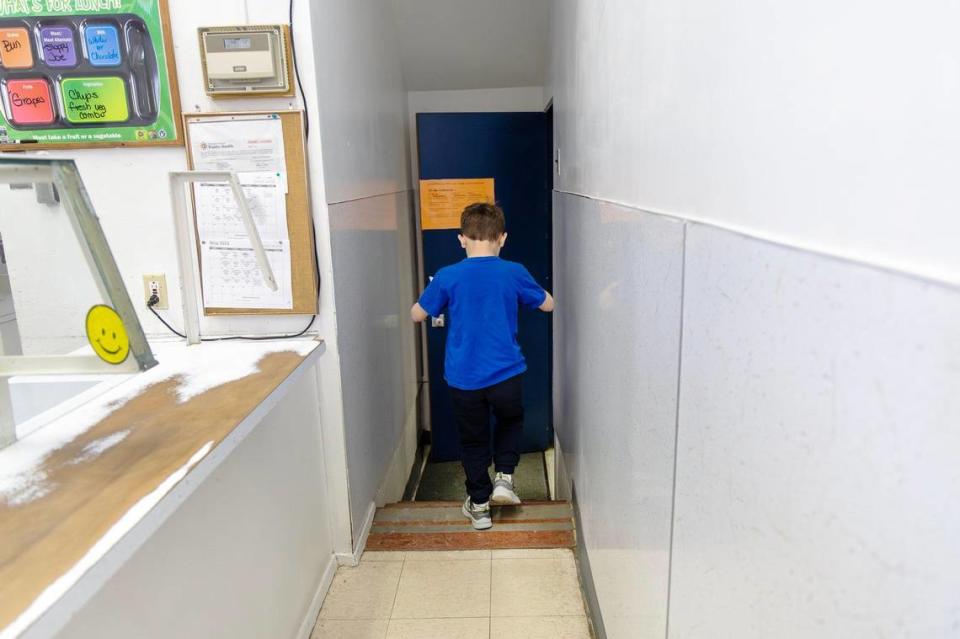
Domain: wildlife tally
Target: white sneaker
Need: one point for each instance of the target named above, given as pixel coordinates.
(478, 514)
(503, 494)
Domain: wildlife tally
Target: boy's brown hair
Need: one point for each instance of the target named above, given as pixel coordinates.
(483, 221)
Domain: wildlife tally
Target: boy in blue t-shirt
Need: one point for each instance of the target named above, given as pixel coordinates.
(484, 366)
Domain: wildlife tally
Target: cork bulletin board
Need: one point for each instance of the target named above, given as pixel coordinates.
(299, 222)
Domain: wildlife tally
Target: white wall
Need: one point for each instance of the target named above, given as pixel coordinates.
(618, 277)
(374, 292)
(811, 401)
(9, 345)
(822, 125)
(816, 443)
(363, 125)
(130, 191)
(249, 554)
(51, 286)
(810, 397)
(464, 44)
(357, 152)
(361, 99)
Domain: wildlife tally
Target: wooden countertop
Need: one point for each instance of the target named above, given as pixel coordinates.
(72, 490)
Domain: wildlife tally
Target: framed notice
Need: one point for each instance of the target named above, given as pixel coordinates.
(442, 201)
(85, 73)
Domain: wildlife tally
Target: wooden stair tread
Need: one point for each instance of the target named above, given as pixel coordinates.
(434, 504)
(439, 525)
(477, 540)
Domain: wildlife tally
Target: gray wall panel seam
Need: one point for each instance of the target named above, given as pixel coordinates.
(883, 268)
(370, 197)
(676, 430)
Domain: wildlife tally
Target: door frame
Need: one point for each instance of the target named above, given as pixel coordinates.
(424, 417)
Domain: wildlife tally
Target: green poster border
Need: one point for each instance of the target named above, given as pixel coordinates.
(156, 16)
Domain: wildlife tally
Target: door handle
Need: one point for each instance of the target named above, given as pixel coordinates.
(439, 321)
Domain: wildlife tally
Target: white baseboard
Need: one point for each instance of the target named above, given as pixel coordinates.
(353, 559)
(306, 627)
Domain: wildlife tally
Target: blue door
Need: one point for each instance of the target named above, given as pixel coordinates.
(515, 149)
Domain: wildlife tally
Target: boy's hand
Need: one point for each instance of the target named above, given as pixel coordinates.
(417, 314)
(547, 306)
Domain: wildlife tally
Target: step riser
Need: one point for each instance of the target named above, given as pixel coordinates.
(410, 505)
(458, 528)
(441, 526)
(504, 513)
(486, 540)
(410, 525)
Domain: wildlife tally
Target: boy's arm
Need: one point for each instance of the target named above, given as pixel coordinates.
(433, 300)
(531, 294)
(547, 306)
(418, 314)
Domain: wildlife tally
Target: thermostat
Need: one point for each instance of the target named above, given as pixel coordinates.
(246, 60)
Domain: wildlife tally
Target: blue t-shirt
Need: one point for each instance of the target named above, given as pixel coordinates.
(482, 295)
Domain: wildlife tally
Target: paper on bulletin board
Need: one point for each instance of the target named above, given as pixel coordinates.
(218, 217)
(231, 276)
(253, 149)
(241, 144)
(442, 201)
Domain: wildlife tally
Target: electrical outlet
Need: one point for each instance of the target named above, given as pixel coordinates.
(156, 284)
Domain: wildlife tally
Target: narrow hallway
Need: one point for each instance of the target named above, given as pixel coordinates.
(459, 319)
(467, 594)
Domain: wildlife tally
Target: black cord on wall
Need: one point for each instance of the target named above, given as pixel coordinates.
(154, 300)
(296, 72)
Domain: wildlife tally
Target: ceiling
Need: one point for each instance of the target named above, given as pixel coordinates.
(472, 44)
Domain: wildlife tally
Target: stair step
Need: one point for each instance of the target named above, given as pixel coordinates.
(441, 526)
(433, 504)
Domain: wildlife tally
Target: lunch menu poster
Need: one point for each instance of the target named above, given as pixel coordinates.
(86, 73)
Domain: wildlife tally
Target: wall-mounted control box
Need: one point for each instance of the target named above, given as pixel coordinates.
(246, 60)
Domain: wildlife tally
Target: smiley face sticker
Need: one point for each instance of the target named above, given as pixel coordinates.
(106, 334)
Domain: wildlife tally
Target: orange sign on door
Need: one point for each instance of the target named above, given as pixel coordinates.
(442, 201)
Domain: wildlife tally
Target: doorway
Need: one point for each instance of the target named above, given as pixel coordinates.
(516, 150)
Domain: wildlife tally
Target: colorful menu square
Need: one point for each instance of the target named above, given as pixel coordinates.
(30, 101)
(103, 45)
(15, 52)
(58, 47)
(94, 100)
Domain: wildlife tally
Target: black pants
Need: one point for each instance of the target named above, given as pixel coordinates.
(472, 410)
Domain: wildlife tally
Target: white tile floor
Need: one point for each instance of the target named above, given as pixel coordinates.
(535, 594)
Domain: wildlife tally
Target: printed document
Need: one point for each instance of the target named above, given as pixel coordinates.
(253, 149)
